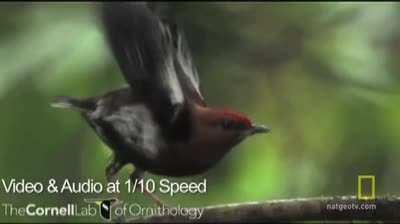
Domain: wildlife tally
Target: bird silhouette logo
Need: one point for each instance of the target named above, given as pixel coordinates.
(105, 209)
(104, 206)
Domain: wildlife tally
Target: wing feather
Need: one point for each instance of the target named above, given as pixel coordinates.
(143, 48)
(189, 76)
(153, 56)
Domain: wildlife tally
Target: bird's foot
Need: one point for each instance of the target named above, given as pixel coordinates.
(111, 175)
(155, 199)
(112, 169)
(139, 174)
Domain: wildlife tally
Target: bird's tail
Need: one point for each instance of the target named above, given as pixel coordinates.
(72, 103)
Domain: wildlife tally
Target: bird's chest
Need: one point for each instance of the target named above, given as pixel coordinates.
(188, 158)
(130, 128)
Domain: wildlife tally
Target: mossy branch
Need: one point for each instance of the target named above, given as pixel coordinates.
(304, 209)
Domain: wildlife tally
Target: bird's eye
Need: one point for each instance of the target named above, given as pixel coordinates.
(227, 124)
(240, 126)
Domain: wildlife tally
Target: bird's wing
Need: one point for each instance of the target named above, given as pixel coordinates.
(144, 49)
(184, 65)
(186, 69)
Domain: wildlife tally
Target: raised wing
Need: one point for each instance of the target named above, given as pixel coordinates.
(184, 65)
(187, 72)
(145, 52)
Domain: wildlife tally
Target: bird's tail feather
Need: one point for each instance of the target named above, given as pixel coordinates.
(72, 103)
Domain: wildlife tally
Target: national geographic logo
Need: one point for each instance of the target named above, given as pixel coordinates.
(104, 206)
(366, 187)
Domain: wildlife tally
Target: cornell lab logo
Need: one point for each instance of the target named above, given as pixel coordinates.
(104, 206)
(105, 209)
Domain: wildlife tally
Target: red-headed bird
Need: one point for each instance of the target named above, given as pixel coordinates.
(160, 123)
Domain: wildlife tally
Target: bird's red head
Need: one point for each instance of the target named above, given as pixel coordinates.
(234, 117)
(232, 120)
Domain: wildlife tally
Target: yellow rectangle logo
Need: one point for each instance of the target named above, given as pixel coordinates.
(361, 179)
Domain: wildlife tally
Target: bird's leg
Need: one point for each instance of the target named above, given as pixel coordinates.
(139, 174)
(111, 174)
(113, 168)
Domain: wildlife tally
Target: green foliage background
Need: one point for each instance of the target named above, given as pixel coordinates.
(323, 76)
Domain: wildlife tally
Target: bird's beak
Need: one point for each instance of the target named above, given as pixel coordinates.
(256, 129)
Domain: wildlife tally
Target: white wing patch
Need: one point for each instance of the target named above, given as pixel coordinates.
(186, 63)
(168, 75)
(172, 82)
(136, 124)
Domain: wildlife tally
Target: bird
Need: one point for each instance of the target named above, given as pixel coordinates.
(160, 122)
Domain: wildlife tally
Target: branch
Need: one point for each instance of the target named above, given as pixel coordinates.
(307, 209)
